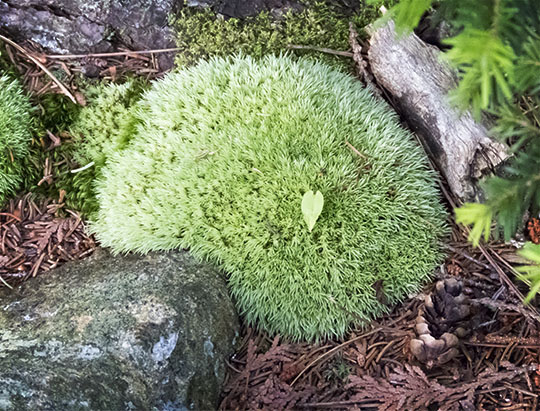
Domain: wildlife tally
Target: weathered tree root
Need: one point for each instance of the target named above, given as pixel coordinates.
(419, 81)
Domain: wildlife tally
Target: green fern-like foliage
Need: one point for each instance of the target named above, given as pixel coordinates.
(16, 125)
(530, 274)
(493, 41)
(406, 13)
(225, 154)
(104, 126)
(497, 51)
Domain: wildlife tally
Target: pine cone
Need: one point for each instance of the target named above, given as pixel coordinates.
(438, 324)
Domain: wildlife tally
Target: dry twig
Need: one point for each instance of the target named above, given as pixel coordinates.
(42, 67)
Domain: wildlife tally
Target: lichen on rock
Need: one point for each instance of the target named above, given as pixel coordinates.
(111, 333)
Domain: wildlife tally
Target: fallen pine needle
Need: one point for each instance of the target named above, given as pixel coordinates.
(42, 67)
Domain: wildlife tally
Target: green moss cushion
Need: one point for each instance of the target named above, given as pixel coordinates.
(101, 128)
(16, 127)
(107, 123)
(220, 163)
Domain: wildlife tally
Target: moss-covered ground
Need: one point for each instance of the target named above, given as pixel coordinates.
(201, 33)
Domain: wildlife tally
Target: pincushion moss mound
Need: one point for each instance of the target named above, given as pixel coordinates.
(104, 126)
(107, 123)
(16, 125)
(220, 163)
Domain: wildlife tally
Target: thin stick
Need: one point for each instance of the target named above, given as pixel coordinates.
(355, 151)
(493, 345)
(6, 284)
(321, 50)
(78, 170)
(338, 404)
(111, 54)
(42, 67)
(504, 278)
(467, 256)
(333, 350)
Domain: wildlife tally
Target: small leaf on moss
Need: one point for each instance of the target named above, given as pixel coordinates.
(312, 205)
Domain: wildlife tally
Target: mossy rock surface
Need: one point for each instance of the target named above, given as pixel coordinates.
(117, 333)
(265, 27)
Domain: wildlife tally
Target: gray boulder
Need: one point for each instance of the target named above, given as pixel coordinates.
(82, 26)
(117, 333)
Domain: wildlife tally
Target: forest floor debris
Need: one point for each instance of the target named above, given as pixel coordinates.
(495, 366)
(37, 68)
(37, 237)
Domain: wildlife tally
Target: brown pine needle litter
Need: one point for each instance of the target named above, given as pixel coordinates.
(35, 237)
(374, 368)
(39, 235)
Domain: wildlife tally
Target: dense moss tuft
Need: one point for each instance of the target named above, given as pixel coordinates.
(201, 34)
(107, 123)
(16, 125)
(220, 163)
(104, 126)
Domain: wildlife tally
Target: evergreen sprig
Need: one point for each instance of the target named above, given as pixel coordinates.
(530, 274)
(497, 52)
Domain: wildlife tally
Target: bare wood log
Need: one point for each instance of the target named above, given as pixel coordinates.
(419, 80)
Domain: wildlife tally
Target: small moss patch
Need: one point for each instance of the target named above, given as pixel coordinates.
(16, 127)
(200, 33)
(103, 127)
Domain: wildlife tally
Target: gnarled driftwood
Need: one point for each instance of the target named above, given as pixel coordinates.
(419, 80)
